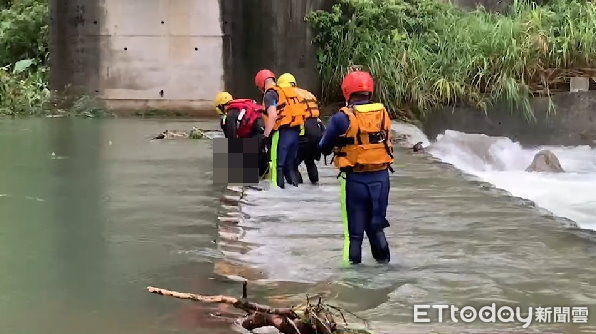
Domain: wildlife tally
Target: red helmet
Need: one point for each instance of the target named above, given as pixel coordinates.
(262, 76)
(357, 81)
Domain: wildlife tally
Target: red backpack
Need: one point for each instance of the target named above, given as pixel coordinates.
(250, 112)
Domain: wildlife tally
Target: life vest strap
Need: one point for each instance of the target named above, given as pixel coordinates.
(344, 141)
(377, 137)
(385, 142)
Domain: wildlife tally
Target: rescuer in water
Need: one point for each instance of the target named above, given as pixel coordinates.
(359, 136)
(284, 116)
(242, 119)
(311, 132)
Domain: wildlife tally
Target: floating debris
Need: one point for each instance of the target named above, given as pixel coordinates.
(194, 133)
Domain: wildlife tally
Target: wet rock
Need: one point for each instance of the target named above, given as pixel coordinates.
(545, 161)
(418, 147)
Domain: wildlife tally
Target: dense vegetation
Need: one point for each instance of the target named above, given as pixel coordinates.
(24, 57)
(427, 53)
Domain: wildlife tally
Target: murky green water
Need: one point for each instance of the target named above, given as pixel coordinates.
(84, 230)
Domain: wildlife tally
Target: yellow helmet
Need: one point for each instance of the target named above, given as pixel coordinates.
(221, 99)
(286, 80)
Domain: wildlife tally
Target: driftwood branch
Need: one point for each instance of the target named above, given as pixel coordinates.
(242, 304)
(283, 324)
(313, 319)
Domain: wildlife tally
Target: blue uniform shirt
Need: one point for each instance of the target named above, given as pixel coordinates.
(338, 125)
(270, 99)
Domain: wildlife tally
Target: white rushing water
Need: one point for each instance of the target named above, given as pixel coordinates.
(502, 162)
(452, 240)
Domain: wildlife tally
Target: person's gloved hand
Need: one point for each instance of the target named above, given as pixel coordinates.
(266, 142)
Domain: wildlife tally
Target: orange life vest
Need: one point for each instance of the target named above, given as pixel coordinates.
(290, 110)
(310, 102)
(367, 145)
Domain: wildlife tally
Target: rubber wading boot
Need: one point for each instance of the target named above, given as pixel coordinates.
(280, 178)
(299, 177)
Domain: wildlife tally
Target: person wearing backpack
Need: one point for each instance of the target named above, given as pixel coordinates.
(312, 130)
(240, 118)
(243, 119)
(359, 137)
(220, 102)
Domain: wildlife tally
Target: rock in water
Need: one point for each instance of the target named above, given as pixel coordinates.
(418, 147)
(545, 161)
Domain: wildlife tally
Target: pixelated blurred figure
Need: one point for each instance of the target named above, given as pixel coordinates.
(242, 157)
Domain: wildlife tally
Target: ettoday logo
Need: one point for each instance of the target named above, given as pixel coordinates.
(503, 314)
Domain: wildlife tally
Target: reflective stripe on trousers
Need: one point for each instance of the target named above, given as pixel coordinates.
(273, 162)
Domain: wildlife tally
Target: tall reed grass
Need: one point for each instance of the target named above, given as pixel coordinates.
(425, 54)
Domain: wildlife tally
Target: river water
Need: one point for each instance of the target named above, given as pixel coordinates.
(92, 212)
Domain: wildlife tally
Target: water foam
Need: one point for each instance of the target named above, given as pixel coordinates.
(502, 162)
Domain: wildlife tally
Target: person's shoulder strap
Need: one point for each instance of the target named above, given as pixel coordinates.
(347, 110)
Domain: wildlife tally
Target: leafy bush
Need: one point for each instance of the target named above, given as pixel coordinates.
(24, 32)
(24, 93)
(24, 57)
(426, 53)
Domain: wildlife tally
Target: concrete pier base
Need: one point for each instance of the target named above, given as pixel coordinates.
(177, 54)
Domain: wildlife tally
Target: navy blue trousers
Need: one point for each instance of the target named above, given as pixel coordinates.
(287, 150)
(366, 199)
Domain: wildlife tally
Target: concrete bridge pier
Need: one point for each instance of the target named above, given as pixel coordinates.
(177, 54)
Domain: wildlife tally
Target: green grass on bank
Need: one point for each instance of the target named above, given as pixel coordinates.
(426, 54)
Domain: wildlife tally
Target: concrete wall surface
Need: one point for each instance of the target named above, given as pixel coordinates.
(140, 54)
(177, 54)
(573, 122)
(74, 45)
(268, 34)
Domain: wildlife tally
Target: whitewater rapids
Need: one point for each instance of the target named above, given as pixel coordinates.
(502, 162)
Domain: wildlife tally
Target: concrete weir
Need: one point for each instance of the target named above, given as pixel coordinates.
(177, 54)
